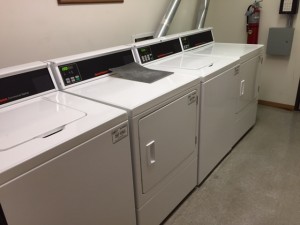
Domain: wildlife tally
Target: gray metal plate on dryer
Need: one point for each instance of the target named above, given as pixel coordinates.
(136, 72)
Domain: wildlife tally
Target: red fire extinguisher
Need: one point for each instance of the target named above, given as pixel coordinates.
(253, 15)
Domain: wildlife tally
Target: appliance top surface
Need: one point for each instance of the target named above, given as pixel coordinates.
(133, 96)
(97, 82)
(203, 66)
(26, 112)
(242, 51)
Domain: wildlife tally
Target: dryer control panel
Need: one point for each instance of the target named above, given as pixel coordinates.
(94, 67)
(158, 51)
(196, 40)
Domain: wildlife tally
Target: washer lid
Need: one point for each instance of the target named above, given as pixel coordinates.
(36, 118)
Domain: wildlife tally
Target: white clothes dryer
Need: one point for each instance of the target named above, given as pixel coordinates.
(218, 82)
(163, 118)
(63, 159)
(201, 42)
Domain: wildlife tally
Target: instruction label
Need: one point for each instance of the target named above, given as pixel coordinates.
(192, 98)
(119, 133)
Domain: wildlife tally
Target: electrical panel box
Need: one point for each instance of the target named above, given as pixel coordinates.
(280, 41)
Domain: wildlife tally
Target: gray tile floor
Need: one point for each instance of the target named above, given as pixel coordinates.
(257, 184)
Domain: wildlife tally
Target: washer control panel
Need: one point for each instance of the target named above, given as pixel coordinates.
(24, 84)
(70, 73)
(145, 54)
(96, 66)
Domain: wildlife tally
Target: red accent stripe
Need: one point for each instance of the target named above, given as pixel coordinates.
(163, 55)
(3, 100)
(101, 73)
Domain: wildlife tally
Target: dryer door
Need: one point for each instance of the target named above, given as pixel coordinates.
(167, 138)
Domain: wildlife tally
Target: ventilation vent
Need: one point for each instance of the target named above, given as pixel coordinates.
(142, 37)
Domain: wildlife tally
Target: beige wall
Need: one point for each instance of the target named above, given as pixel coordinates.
(41, 29)
(280, 75)
(185, 17)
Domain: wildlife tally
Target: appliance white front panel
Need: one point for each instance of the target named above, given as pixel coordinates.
(89, 184)
(164, 202)
(167, 138)
(178, 178)
(216, 120)
(250, 59)
(244, 120)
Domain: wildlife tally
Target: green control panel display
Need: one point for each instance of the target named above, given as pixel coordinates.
(70, 73)
(145, 54)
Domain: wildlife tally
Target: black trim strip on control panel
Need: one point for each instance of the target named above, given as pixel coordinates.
(196, 40)
(90, 68)
(23, 85)
(3, 220)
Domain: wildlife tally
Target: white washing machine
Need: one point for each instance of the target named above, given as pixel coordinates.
(218, 82)
(63, 159)
(201, 42)
(163, 117)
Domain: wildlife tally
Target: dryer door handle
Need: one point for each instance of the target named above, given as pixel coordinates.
(150, 150)
(242, 88)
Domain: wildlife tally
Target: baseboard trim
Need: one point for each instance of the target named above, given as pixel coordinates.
(276, 105)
